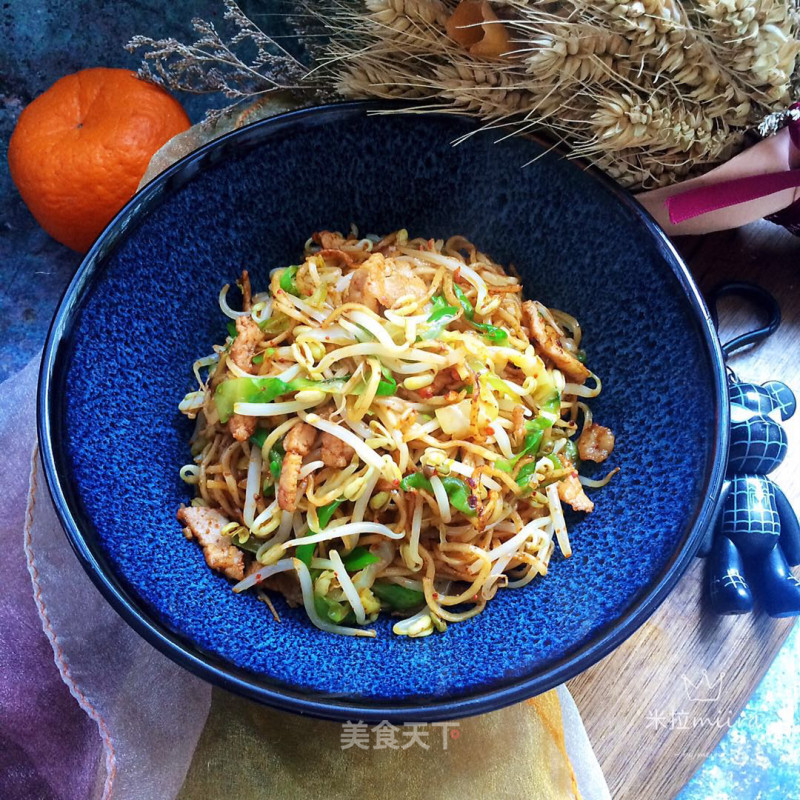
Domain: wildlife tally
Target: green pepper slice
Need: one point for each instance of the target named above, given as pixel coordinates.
(458, 492)
(525, 473)
(305, 552)
(533, 441)
(469, 311)
(326, 512)
(398, 597)
(287, 280)
(259, 437)
(571, 452)
(388, 385)
(251, 545)
(491, 332)
(442, 315)
(358, 558)
(416, 480)
(334, 612)
(494, 334)
(276, 454)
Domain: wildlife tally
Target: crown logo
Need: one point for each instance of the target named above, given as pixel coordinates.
(704, 691)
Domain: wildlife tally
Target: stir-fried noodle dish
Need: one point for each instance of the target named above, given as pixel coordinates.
(389, 427)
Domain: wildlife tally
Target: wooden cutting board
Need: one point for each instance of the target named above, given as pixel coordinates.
(658, 705)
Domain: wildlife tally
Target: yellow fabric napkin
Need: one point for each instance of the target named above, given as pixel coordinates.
(249, 751)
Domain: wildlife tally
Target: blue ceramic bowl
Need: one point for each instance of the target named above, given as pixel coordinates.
(143, 306)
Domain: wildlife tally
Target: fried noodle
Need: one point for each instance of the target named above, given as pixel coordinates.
(389, 427)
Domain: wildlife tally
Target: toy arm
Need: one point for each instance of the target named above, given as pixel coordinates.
(707, 541)
(790, 528)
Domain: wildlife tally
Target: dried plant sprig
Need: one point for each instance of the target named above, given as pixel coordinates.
(649, 90)
(242, 63)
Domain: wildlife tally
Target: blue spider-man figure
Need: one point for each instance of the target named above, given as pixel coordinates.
(757, 535)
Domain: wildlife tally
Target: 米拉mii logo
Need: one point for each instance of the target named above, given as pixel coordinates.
(703, 690)
(703, 705)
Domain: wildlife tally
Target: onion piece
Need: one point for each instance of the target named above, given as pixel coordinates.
(366, 577)
(253, 486)
(441, 498)
(377, 330)
(307, 469)
(307, 588)
(347, 587)
(205, 361)
(284, 565)
(557, 515)
(226, 309)
(462, 469)
(343, 282)
(290, 373)
(274, 409)
(193, 401)
(503, 442)
(591, 483)
(455, 419)
(305, 308)
(516, 542)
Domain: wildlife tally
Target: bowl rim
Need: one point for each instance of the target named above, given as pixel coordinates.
(215, 669)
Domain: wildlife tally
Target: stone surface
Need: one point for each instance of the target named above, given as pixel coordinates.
(759, 758)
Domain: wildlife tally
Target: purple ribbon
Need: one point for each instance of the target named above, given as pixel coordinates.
(704, 199)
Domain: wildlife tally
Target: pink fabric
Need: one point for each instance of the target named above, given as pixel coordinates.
(135, 714)
(695, 202)
(48, 747)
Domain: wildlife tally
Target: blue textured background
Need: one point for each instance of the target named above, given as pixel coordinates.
(44, 39)
(154, 311)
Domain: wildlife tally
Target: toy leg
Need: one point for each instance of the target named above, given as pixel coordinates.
(728, 590)
(778, 589)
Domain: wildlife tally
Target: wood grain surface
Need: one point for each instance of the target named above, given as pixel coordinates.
(650, 715)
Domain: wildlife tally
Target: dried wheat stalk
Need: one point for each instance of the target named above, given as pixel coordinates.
(649, 90)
